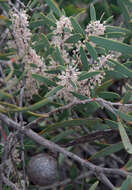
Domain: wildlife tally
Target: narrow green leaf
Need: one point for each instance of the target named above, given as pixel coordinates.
(32, 4)
(107, 151)
(33, 107)
(88, 75)
(111, 124)
(115, 34)
(41, 22)
(48, 21)
(112, 29)
(84, 59)
(125, 139)
(44, 80)
(109, 95)
(74, 38)
(91, 51)
(122, 69)
(79, 96)
(77, 27)
(39, 104)
(53, 91)
(53, 5)
(127, 184)
(36, 24)
(92, 12)
(43, 43)
(103, 86)
(128, 165)
(112, 45)
(124, 116)
(4, 95)
(62, 135)
(115, 75)
(93, 187)
(127, 97)
(125, 12)
(58, 57)
(71, 123)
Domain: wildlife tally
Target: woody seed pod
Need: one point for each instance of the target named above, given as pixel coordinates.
(42, 169)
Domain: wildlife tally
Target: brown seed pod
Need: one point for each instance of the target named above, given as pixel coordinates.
(42, 169)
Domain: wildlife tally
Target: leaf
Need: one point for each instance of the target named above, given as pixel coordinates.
(33, 107)
(92, 13)
(109, 95)
(93, 187)
(107, 151)
(53, 5)
(74, 38)
(37, 105)
(112, 45)
(87, 75)
(44, 42)
(127, 184)
(70, 123)
(122, 69)
(125, 139)
(103, 86)
(61, 135)
(128, 165)
(53, 91)
(32, 4)
(4, 95)
(115, 34)
(58, 57)
(115, 75)
(84, 59)
(127, 97)
(91, 51)
(41, 22)
(77, 27)
(36, 24)
(110, 29)
(48, 21)
(125, 117)
(44, 80)
(111, 124)
(125, 12)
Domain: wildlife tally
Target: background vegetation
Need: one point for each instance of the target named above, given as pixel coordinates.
(65, 89)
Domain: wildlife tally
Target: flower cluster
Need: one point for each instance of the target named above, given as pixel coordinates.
(61, 34)
(95, 28)
(68, 80)
(21, 32)
(28, 55)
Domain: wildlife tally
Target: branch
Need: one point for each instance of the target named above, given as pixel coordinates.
(107, 104)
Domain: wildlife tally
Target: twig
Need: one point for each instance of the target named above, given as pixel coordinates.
(107, 104)
(8, 182)
(92, 136)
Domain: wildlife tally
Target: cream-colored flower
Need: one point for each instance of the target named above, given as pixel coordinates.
(68, 79)
(95, 28)
(26, 53)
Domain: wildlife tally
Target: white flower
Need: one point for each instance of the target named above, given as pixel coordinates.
(68, 79)
(95, 28)
(22, 36)
(21, 31)
(63, 23)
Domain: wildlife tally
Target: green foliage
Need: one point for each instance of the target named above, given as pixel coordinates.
(71, 52)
